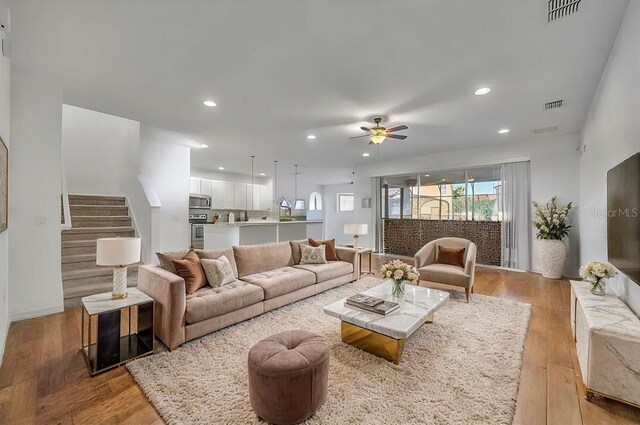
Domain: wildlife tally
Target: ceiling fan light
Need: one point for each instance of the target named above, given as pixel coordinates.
(377, 139)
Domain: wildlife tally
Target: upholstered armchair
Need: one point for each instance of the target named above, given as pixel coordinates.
(448, 274)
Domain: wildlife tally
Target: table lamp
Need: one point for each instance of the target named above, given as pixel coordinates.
(118, 253)
(356, 230)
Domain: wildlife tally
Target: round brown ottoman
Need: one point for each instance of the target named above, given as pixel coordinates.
(288, 374)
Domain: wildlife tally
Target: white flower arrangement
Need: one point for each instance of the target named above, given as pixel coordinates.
(552, 219)
(595, 271)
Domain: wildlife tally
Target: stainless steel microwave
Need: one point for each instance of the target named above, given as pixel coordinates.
(199, 201)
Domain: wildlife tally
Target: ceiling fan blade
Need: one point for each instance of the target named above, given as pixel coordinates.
(365, 129)
(396, 136)
(398, 128)
(357, 137)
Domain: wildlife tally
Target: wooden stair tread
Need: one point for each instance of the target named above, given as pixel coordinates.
(96, 288)
(99, 229)
(76, 258)
(95, 271)
(79, 243)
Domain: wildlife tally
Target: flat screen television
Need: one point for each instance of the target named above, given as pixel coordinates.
(623, 217)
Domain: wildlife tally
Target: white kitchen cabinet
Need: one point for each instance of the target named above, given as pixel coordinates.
(217, 194)
(266, 197)
(254, 200)
(195, 185)
(205, 187)
(228, 191)
(240, 195)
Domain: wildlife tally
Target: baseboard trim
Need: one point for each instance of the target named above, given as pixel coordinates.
(37, 312)
(3, 345)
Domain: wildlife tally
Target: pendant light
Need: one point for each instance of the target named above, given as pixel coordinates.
(253, 157)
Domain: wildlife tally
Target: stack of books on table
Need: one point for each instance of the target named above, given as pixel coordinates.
(372, 304)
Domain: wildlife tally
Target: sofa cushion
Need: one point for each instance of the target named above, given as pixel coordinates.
(444, 273)
(452, 256)
(281, 281)
(210, 302)
(328, 271)
(214, 254)
(313, 254)
(329, 246)
(166, 259)
(295, 249)
(218, 272)
(190, 269)
(252, 259)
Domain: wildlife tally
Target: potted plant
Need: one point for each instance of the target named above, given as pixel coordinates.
(597, 274)
(399, 272)
(552, 223)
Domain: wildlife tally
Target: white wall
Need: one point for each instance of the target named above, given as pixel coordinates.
(100, 157)
(610, 135)
(5, 95)
(35, 283)
(166, 164)
(554, 171)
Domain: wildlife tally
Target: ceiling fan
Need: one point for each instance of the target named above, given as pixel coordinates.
(378, 133)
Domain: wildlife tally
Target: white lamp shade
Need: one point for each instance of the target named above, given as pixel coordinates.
(355, 229)
(117, 251)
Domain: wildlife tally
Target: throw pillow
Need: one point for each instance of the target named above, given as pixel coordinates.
(190, 269)
(312, 254)
(166, 259)
(451, 256)
(329, 247)
(218, 271)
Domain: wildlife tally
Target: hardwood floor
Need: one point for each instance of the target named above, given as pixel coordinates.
(44, 379)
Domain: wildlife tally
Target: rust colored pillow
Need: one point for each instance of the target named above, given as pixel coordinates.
(329, 248)
(190, 269)
(452, 256)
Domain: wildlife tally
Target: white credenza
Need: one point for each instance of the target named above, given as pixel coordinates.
(607, 337)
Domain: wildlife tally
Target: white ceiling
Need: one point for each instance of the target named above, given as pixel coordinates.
(280, 70)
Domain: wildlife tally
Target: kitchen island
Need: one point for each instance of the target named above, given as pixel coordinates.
(226, 235)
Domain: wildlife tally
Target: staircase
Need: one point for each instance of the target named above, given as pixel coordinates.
(92, 217)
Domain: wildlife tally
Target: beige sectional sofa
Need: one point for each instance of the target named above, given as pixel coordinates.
(268, 276)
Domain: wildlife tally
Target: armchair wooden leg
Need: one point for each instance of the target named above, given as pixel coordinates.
(466, 291)
(472, 289)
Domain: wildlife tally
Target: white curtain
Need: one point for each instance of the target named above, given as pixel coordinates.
(375, 204)
(516, 216)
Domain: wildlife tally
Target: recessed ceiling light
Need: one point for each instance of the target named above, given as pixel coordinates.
(209, 103)
(220, 168)
(263, 174)
(366, 154)
(311, 137)
(482, 90)
(204, 146)
(504, 131)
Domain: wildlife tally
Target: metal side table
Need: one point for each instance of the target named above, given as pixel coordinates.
(105, 344)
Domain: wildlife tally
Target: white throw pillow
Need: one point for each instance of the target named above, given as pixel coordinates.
(312, 255)
(219, 271)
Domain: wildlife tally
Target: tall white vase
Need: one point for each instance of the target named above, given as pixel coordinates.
(552, 254)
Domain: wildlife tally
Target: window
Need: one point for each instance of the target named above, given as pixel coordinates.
(315, 202)
(346, 201)
(467, 194)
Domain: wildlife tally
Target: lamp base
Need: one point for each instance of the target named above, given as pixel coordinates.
(119, 291)
(355, 241)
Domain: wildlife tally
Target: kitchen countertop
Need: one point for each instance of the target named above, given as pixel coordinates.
(261, 223)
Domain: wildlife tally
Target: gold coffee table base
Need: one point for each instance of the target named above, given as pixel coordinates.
(372, 342)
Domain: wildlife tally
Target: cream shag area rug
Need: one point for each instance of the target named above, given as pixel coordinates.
(462, 369)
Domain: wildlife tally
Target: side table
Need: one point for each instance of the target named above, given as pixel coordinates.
(104, 344)
(363, 251)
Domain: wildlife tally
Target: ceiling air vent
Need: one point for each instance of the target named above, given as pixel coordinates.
(554, 105)
(545, 130)
(561, 8)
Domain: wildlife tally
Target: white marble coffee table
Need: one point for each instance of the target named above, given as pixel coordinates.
(384, 336)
